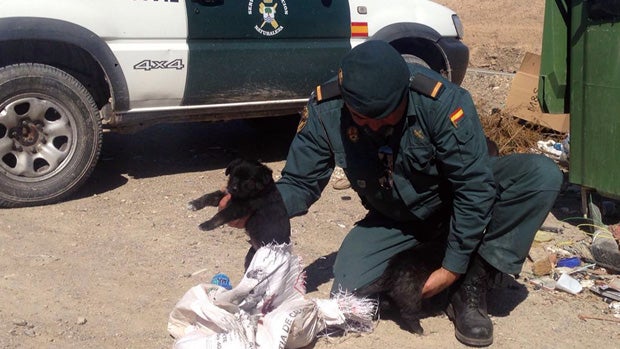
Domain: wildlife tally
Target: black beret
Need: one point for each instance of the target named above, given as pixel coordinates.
(373, 78)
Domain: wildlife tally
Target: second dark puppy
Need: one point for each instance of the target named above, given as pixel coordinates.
(253, 193)
(401, 283)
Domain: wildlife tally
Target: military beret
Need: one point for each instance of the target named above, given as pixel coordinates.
(373, 78)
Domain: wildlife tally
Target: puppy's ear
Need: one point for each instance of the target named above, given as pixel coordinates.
(266, 175)
(232, 165)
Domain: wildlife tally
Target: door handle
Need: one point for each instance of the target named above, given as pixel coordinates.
(209, 2)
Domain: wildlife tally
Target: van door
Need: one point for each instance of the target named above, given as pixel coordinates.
(259, 50)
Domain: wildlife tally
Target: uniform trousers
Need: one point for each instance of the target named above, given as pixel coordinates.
(527, 186)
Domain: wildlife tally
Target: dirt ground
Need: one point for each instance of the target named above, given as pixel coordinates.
(104, 269)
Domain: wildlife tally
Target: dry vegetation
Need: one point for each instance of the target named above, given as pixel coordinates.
(513, 135)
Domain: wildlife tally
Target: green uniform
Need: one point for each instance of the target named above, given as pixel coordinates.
(442, 176)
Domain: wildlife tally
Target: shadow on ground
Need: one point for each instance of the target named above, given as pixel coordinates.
(320, 272)
(186, 147)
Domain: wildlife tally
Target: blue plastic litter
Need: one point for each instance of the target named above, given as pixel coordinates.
(569, 262)
(221, 279)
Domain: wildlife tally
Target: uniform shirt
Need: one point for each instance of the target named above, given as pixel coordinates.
(441, 159)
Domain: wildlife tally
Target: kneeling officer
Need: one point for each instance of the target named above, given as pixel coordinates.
(412, 146)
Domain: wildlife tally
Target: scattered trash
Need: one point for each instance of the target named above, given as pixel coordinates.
(565, 263)
(615, 283)
(568, 284)
(569, 262)
(606, 292)
(566, 146)
(585, 267)
(543, 236)
(555, 150)
(542, 266)
(587, 283)
(221, 279)
(557, 230)
(545, 282)
(615, 308)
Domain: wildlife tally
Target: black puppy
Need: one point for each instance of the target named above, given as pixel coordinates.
(401, 283)
(254, 194)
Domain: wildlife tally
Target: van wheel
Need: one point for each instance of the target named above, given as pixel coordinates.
(412, 59)
(50, 135)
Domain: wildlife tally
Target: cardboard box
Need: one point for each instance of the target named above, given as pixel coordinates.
(522, 100)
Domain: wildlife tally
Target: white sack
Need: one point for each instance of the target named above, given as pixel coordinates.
(266, 310)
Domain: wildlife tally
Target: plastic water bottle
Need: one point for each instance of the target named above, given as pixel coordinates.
(566, 143)
(221, 279)
(565, 148)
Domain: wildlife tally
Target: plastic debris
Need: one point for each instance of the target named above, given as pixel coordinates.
(615, 308)
(555, 150)
(545, 282)
(568, 284)
(544, 236)
(606, 291)
(221, 279)
(569, 262)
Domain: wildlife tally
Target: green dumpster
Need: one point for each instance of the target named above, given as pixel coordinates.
(553, 76)
(580, 74)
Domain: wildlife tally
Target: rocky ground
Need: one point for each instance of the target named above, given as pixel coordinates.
(105, 268)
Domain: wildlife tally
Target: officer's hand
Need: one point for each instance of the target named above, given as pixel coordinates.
(237, 223)
(439, 280)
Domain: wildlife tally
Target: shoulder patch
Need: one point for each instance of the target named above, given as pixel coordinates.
(426, 85)
(327, 91)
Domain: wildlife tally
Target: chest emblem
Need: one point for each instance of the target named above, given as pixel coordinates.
(418, 133)
(353, 134)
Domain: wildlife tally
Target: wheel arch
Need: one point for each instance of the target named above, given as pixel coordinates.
(69, 47)
(446, 55)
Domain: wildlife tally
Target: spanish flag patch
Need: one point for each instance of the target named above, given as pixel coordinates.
(456, 116)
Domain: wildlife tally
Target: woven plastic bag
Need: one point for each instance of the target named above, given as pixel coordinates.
(266, 310)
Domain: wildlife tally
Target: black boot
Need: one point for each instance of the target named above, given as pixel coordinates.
(468, 305)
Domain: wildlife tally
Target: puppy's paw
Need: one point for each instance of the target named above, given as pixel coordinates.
(413, 325)
(208, 225)
(192, 206)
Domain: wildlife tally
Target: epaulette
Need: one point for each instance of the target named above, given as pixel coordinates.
(426, 85)
(327, 91)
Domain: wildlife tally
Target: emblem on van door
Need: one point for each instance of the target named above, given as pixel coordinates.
(268, 9)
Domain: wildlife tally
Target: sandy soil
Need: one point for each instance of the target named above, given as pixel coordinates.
(104, 269)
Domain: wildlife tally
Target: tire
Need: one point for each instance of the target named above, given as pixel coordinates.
(50, 135)
(412, 59)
